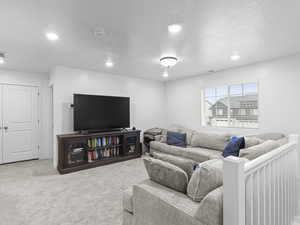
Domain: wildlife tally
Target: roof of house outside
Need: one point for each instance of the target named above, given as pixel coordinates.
(237, 101)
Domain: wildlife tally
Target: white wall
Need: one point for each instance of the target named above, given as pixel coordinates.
(147, 98)
(41, 80)
(279, 91)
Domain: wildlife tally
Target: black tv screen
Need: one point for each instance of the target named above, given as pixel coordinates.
(92, 112)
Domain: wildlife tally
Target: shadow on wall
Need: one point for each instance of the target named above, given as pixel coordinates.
(67, 118)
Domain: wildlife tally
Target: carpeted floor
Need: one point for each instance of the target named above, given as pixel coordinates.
(33, 193)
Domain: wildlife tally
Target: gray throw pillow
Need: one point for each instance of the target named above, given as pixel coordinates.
(206, 178)
(166, 174)
(258, 150)
(183, 163)
(210, 140)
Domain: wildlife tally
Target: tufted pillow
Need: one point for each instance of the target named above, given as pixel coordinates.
(206, 178)
(166, 174)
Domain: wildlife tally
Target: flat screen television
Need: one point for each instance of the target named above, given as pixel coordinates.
(93, 112)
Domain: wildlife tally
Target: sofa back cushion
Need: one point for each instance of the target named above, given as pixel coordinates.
(206, 178)
(251, 141)
(186, 164)
(269, 136)
(210, 140)
(176, 138)
(258, 150)
(166, 174)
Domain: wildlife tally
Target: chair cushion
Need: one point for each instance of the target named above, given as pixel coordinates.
(176, 138)
(206, 178)
(258, 150)
(183, 163)
(210, 210)
(166, 174)
(210, 140)
(127, 200)
(195, 153)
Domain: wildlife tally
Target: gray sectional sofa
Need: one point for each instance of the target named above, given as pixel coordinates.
(153, 203)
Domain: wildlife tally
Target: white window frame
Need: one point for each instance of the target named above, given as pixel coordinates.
(229, 125)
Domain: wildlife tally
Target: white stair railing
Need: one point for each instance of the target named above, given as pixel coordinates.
(263, 191)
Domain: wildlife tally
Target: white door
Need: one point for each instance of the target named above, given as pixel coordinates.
(20, 123)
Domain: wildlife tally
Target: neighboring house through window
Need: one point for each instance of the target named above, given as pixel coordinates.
(232, 106)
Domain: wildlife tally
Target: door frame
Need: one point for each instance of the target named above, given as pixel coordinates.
(38, 135)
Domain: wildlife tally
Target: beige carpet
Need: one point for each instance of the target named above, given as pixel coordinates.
(32, 193)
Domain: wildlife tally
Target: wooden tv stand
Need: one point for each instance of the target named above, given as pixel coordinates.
(82, 151)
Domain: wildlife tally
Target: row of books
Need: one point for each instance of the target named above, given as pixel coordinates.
(103, 141)
(103, 147)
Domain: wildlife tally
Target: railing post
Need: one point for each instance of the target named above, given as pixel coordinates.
(234, 191)
(295, 138)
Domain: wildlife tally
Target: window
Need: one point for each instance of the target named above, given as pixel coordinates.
(232, 106)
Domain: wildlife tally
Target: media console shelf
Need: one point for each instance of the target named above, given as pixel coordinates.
(79, 151)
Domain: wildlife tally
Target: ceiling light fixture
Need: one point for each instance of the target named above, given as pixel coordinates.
(174, 28)
(109, 64)
(51, 36)
(2, 58)
(168, 61)
(235, 57)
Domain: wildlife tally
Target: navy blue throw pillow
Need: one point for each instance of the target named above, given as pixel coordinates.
(177, 139)
(234, 146)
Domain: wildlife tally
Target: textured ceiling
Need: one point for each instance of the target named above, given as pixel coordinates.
(136, 34)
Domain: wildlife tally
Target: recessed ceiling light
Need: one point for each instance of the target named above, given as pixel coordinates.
(165, 74)
(109, 64)
(174, 28)
(235, 57)
(168, 61)
(2, 58)
(52, 36)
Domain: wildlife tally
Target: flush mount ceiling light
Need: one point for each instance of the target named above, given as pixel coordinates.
(174, 28)
(168, 61)
(51, 36)
(235, 57)
(109, 63)
(2, 58)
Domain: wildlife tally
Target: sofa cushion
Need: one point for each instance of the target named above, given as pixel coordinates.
(282, 141)
(127, 200)
(195, 153)
(210, 140)
(176, 139)
(155, 204)
(251, 141)
(258, 150)
(269, 136)
(166, 174)
(210, 210)
(233, 147)
(183, 163)
(206, 178)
